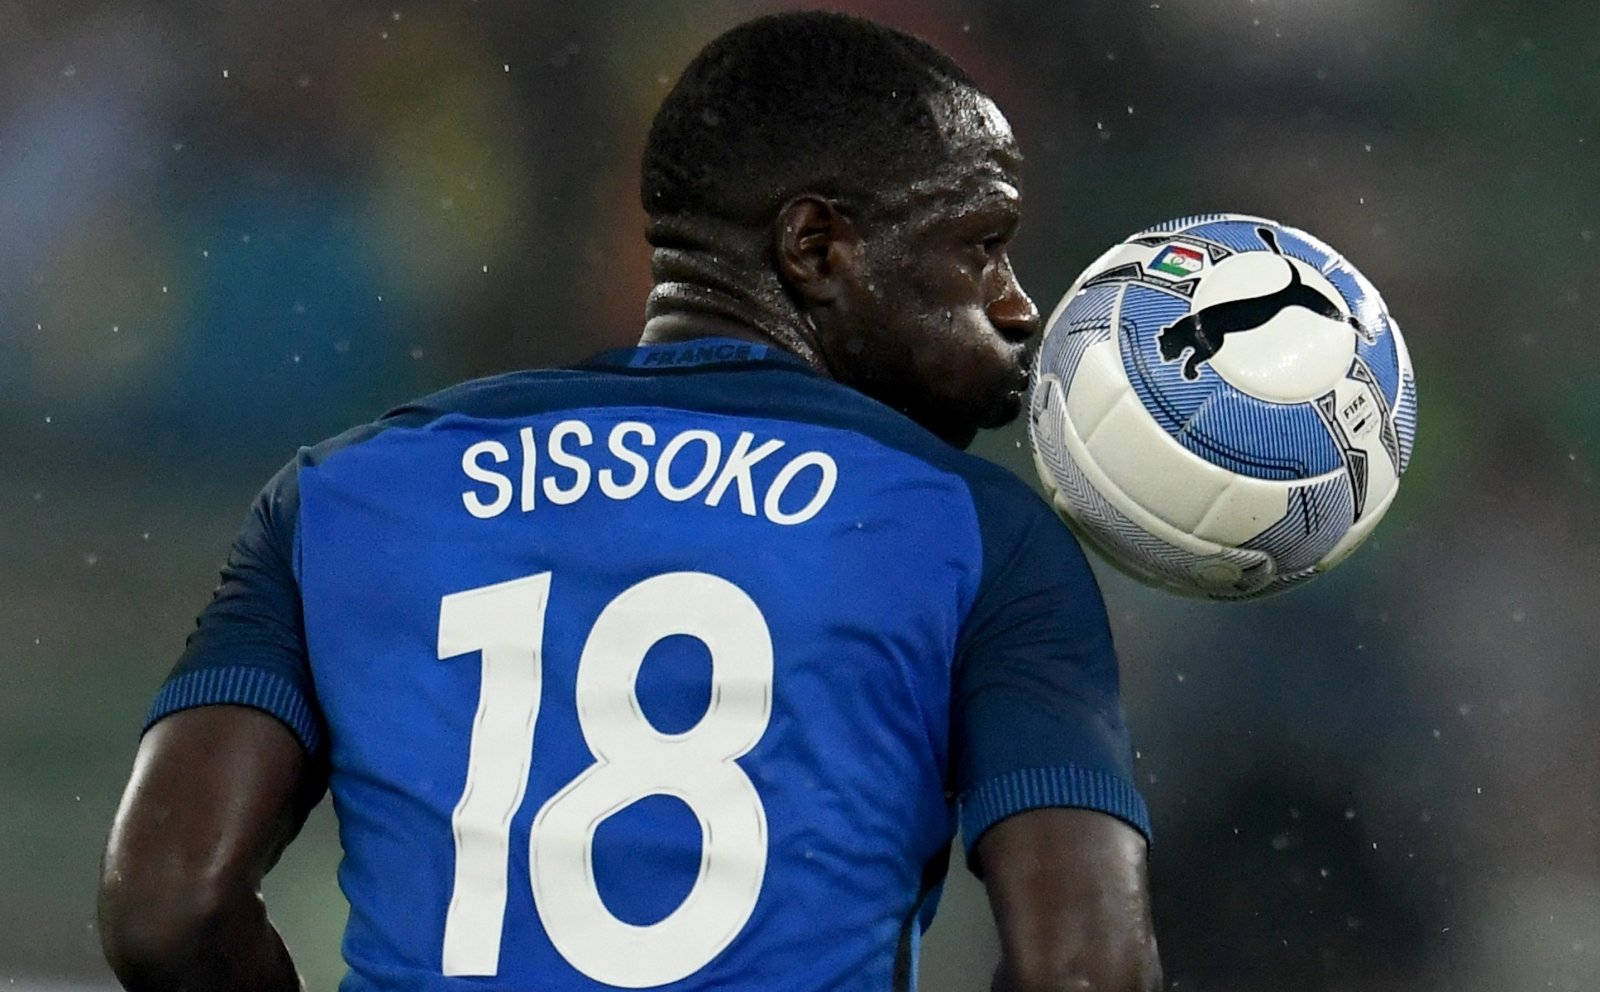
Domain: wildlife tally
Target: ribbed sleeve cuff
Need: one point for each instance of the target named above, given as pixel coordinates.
(1037, 788)
(241, 686)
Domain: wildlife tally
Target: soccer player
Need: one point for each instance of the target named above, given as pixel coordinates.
(679, 667)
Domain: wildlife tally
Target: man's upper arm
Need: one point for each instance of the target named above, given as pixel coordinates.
(1071, 902)
(230, 763)
(247, 652)
(216, 794)
(1042, 764)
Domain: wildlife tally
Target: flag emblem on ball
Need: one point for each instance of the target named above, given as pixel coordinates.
(1178, 260)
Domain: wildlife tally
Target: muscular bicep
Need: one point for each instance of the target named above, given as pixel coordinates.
(216, 792)
(1070, 897)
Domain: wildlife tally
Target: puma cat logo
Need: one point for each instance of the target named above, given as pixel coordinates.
(1202, 333)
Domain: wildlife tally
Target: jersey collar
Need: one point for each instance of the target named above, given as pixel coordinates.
(698, 354)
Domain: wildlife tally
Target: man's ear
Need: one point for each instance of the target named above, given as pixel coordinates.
(817, 248)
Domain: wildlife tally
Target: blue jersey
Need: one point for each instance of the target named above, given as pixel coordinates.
(675, 669)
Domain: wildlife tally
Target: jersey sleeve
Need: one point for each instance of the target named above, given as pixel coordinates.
(1037, 714)
(249, 647)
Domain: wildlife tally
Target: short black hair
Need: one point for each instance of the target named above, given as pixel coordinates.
(797, 102)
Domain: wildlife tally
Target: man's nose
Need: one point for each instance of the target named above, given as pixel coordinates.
(1012, 312)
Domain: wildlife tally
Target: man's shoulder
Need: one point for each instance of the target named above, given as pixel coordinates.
(499, 396)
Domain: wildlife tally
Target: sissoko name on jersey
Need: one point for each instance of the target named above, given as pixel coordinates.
(688, 465)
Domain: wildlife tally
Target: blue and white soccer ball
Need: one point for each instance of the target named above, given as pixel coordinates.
(1222, 406)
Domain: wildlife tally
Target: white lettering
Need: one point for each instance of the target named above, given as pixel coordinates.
(664, 467)
(737, 471)
(502, 485)
(530, 461)
(830, 476)
(580, 468)
(635, 462)
(641, 468)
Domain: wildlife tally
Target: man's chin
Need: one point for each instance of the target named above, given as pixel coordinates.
(959, 424)
(1004, 410)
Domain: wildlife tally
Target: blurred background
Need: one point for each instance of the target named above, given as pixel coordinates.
(227, 229)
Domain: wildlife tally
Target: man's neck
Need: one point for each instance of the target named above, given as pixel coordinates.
(680, 311)
(710, 280)
(668, 328)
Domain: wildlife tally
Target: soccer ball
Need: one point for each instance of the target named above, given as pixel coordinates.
(1222, 406)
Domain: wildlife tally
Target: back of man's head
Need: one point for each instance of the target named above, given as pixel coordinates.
(806, 102)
